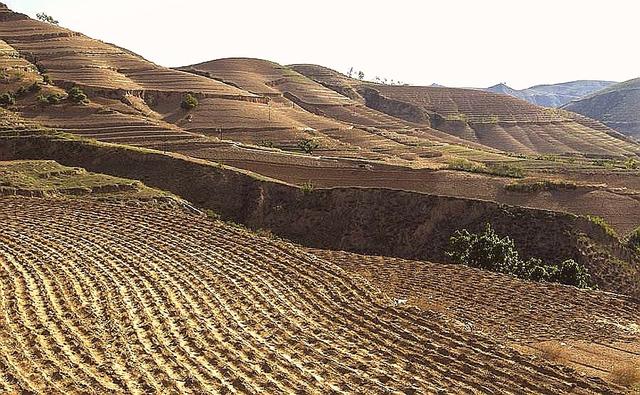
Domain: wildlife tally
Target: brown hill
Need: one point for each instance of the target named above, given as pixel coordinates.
(494, 120)
(130, 97)
(350, 153)
(218, 292)
(592, 331)
(370, 220)
(177, 337)
(279, 108)
(65, 56)
(333, 115)
(617, 106)
(187, 305)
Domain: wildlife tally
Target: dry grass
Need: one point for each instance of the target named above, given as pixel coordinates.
(626, 374)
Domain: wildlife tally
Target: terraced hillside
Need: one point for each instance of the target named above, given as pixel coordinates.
(65, 54)
(592, 331)
(493, 120)
(47, 178)
(259, 103)
(617, 106)
(134, 101)
(138, 300)
(331, 115)
(371, 220)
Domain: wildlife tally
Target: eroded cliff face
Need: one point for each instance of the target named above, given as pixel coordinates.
(366, 220)
(408, 112)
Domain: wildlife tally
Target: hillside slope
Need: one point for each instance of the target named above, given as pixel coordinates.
(134, 101)
(192, 306)
(65, 56)
(617, 106)
(592, 331)
(369, 220)
(494, 120)
(335, 115)
(553, 95)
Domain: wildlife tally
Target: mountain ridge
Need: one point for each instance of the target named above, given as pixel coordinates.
(617, 106)
(553, 95)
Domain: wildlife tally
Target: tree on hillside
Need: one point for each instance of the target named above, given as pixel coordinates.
(307, 146)
(360, 75)
(189, 102)
(77, 96)
(350, 72)
(46, 18)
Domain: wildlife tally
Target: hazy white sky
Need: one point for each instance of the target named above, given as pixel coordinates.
(451, 42)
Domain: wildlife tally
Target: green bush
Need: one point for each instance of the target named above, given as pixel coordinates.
(489, 251)
(76, 95)
(46, 79)
(7, 99)
(569, 272)
(54, 98)
(189, 102)
(307, 146)
(484, 250)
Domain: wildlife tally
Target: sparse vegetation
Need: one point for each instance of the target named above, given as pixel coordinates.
(542, 185)
(211, 214)
(7, 99)
(46, 18)
(599, 221)
(307, 146)
(501, 169)
(307, 187)
(633, 240)
(606, 163)
(266, 143)
(489, 251)
(20, 92)
(506, 170)
(42, 99)
(492, 119)
(41, 178)
(46, 79)
(76, 95)
(53, 98)
(189, 102)
(456, 117)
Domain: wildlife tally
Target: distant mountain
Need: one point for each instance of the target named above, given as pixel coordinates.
(617, 106)
(553, 95)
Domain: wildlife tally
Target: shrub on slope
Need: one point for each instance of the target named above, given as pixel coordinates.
(489, 251)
